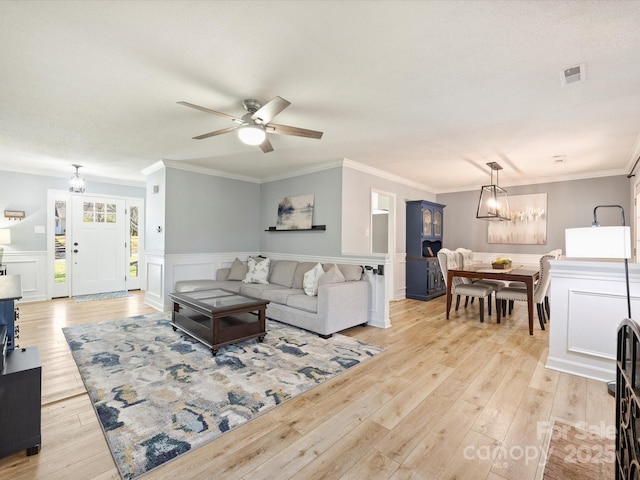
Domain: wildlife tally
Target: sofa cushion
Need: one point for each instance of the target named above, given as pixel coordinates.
(257, 290)
(351, 273)
(303, 302)
(238, 270)
(283, 272)
(258, 271)
(333, 275)
(298, 277)
(280, 296)
(310, 282)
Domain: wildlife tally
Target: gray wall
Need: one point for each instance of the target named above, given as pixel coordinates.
(155, 212)
(28, 192)
(208, 214)
(569, 204)
(356, 208)
(326, 186)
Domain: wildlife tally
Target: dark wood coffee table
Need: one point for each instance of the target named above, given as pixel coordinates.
(219, 317)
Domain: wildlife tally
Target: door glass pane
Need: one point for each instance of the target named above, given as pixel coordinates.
(100, 212)
(110, 217)
(437, 224)
(60, 240)
(87, 212)
(426, 222)
(133, 242)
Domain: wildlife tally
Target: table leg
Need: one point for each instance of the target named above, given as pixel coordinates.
(529, 283)
(449, 279)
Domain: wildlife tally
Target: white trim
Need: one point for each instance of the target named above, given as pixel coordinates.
(32, 268)
(539, 180)
(312, 169)
(386, 175)
(204, 171)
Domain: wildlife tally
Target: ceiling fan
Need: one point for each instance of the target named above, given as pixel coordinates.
(254, 125)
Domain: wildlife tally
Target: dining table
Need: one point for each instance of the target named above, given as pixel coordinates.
(527, 274)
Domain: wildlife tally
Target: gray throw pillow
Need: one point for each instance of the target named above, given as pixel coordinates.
(238, 270)
(333, 275)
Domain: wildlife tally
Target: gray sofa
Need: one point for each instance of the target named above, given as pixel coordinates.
(338, 305)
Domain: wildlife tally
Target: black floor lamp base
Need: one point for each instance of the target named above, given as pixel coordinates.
(611, 388)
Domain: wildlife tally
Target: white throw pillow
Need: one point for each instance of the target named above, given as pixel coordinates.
(258, 271)
(310, 281)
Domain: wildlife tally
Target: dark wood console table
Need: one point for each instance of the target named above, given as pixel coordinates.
(219, 317)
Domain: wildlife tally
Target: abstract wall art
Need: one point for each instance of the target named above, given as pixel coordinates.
(295, 213)
(528, 224)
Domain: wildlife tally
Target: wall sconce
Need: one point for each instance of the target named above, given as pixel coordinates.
(493, 203)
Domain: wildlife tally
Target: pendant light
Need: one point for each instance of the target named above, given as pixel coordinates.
(76, 182)
(493, 203)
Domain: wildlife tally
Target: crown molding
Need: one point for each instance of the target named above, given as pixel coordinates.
(313, 169)
(202, 170)
(386, 175)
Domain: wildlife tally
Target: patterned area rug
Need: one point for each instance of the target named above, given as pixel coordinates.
(576, 454)
(101, 296)
(158, 393)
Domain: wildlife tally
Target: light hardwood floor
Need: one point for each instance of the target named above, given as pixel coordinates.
(448, 399)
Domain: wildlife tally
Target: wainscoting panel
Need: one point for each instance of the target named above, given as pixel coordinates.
(590, 312)
(32, 268)
(588, 302)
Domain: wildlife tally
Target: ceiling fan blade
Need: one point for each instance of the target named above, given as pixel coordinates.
(208, 110)
(298, 132)
(266, 146)
(217, 132)
(272, 108)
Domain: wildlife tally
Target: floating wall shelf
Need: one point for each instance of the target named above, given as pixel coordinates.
(313, 227)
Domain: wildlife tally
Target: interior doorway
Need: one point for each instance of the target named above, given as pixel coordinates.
(383, 234)
(382, 228)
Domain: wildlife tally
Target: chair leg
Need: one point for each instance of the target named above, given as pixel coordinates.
(481, 300)
(510, 306)
(457, 302)
(466, 301)
(472, 299)
(498, 309)
(547, 307)
(489, 303)
(503, 305)
(540, 314)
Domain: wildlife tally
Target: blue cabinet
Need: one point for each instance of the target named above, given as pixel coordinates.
(10, 291)
(423, 241)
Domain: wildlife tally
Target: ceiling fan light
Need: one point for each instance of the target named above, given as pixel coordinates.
(252, 134)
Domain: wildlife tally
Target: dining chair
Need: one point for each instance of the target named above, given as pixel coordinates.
(556, 254)
(467, 259)
(518, 294)
(450, 259)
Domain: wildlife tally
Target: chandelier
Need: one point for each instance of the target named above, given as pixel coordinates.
(493, 203)
(76, 183)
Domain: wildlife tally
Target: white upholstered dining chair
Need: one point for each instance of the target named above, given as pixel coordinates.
(518, 294)
(450, 259)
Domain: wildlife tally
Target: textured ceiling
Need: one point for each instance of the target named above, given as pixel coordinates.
(428, 91)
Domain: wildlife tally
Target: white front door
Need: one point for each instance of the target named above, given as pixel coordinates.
(98, 247)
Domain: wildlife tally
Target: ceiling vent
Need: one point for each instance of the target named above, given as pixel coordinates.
(572, 75)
